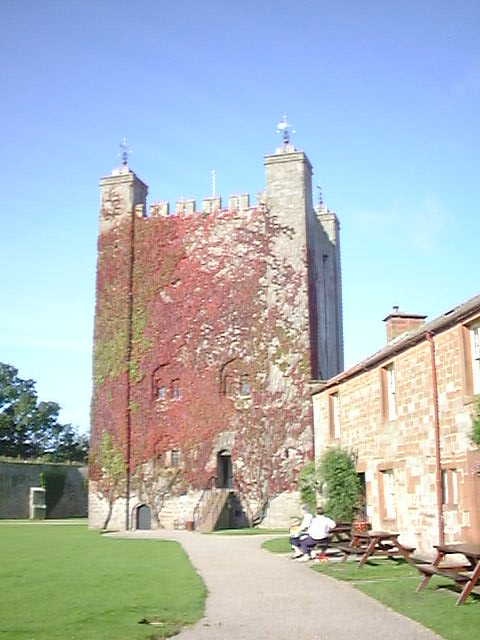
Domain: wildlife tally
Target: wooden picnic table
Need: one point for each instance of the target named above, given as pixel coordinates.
(370, 543)
(464, 573)
(341, 533)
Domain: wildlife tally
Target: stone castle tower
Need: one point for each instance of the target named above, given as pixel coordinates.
(209, 327)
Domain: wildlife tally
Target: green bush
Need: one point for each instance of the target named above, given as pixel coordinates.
(307, 482)
(476, 422)
(340, 483)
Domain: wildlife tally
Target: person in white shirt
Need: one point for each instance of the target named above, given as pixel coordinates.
(317, 533)
(300, 531)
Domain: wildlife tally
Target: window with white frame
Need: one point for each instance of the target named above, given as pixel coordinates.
(388, 492)
(334, 410)
(175, 457)
(175, 389)
(245, 388)
(161, 392)
(390, 391)
(450, 487)
(475, 341)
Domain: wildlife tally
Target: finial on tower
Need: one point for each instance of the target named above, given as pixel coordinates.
(285, 129)
(125, 151)
(214, 183)
(319, 197)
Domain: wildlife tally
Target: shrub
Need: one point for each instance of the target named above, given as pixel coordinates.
(476, 422)
(307, 482)
(340, 483)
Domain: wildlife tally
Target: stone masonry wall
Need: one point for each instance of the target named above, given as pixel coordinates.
(16, 478)
(406, 444)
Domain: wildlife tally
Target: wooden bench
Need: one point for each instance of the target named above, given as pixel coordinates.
(340, 534)
(464, 574)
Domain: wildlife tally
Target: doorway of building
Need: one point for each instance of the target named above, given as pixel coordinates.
(144, 517)
(224, 470)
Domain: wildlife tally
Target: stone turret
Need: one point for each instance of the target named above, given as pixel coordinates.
(122, 193)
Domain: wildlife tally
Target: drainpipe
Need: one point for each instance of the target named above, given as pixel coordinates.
(129, 362)
(438, 460)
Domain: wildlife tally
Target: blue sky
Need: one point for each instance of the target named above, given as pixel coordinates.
(384, 98)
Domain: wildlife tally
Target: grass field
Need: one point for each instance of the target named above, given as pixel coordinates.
(247, 531)
(394, 582)
(62, 581)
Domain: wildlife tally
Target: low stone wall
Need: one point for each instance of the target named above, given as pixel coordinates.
(16, 479)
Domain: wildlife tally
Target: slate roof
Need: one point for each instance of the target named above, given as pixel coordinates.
(404, 341)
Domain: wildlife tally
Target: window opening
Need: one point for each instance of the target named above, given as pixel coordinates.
(161, 392)
(388, 480)
(391, 391)
(334, 402)
(176, 391)
(475, 338)
(245, 388)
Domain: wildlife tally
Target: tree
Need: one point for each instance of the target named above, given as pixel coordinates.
(111, 470)
(29, 428)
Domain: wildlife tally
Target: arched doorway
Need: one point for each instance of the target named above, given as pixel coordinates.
(144, 517)
(224, 470)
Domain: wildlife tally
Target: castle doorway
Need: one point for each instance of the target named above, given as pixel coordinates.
(144, 517)
(224, 470)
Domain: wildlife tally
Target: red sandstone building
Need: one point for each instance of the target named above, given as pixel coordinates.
(406, 412)
(209, 327)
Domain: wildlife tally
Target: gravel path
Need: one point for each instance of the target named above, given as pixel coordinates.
(257, 595)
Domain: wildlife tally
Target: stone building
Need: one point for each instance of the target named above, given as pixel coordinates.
(209, 327)
(406, 412)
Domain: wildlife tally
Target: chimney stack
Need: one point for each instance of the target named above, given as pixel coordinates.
(399, 322)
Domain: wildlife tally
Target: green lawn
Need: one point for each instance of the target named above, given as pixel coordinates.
(394, 582)
(64, 582)
(247, 531)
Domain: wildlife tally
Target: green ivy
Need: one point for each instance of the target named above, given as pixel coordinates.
(110, 357)
(476, 422)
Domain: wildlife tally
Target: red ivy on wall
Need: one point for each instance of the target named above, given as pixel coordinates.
(214, 305)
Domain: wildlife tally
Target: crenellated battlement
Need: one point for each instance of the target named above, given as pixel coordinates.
(212, 204)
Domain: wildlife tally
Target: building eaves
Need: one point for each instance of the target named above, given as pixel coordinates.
(403, 342)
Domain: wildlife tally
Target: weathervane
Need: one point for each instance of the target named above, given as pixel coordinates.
(285, 129)
(125, 152)
(214, 183)
(320, 196)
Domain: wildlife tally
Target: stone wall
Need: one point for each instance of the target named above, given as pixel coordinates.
(404, 444)
(16, 479)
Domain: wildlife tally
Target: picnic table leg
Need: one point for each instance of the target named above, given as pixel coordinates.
(469, 585)
(368, 552)
(427, 578)
(423, 583)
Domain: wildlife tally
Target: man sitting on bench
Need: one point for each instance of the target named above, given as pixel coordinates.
(317, 534)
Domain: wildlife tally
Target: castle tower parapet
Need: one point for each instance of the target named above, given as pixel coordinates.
(120, 194)
(212, 204)
(329, 221)
(185, 207)
(160, 209)
(239, 202)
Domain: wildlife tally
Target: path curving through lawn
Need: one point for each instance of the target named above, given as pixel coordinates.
(256, 595)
